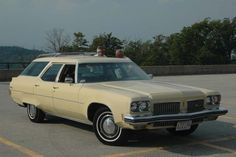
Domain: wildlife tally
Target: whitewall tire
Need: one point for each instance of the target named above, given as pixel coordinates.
(35, 115)
(106, 130)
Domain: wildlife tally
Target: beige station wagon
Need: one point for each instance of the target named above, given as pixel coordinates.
(114, 95)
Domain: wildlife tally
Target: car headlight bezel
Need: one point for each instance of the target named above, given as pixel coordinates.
(133, 107)
(140, 106)
(213, 100)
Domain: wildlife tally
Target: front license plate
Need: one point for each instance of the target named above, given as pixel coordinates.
(183, 125)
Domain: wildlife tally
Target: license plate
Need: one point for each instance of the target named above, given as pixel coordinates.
(183, 125)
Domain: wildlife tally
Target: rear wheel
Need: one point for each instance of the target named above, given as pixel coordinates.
(106, 130)
(183, 132)
(35, 115)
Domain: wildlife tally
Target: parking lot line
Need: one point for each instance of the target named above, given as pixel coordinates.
(219, 147)
(19, 148)
(138, 152)
(206, 143)
(210, 140)
(192, 142)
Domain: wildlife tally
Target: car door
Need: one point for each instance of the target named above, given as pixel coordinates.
(44, 87)
(66, 93)
(27, 80)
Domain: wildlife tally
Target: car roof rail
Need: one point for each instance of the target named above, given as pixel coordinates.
(77, 53)
(66, 54)
(48, 55)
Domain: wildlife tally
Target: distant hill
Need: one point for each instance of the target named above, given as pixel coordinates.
(17, 54)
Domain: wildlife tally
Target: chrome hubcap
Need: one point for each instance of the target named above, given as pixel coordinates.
(109, 126)
(107, 129)
(32, 111)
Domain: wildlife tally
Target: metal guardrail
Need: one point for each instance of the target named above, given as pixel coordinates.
(13, 65)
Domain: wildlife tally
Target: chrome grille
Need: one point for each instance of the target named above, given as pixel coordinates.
(195, 106)
(160, 124)
(173, 123)
(198, 120)
(166, 108)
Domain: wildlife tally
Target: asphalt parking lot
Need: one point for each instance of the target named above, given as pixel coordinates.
(58, 137)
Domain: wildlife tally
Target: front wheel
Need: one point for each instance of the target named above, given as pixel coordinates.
(106, 130)
(183, 132)
(35, 115)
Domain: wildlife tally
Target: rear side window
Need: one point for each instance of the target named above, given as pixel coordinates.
(34, 69)
(51, 73)
(67, 71)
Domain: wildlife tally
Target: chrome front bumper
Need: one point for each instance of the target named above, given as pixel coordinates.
(175, 117)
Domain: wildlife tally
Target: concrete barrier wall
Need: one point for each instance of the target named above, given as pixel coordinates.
(6, 75)
(190, 69)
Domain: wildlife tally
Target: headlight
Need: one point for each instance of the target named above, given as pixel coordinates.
(134, 107)
(140, 106)
(213, 100)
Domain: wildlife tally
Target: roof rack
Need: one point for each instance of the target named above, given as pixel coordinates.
(66, 54)
(48, 55)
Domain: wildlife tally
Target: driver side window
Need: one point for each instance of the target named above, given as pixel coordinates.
(51, 74)
(67, 73)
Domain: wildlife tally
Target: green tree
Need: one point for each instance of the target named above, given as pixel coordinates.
(222, 38)
(216, 38)
(205, 42)
(108, 41)
(80, 43)
(137, 51)
(158, 53)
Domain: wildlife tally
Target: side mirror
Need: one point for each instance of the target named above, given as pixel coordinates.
(69, 80)
(150, 76)
(82, 81)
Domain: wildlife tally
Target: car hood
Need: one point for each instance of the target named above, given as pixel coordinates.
(157, 90)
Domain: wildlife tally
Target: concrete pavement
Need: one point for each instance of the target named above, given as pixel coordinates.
(64, 138)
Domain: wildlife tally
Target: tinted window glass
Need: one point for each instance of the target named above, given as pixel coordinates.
(51, 73)
(99, 72)
(34, 68)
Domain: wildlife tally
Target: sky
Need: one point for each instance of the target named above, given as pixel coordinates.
(25, 22)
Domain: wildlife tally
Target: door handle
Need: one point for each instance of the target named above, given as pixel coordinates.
(55, 87)
(36, 85)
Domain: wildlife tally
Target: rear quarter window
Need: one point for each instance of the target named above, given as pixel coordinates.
(34, 69)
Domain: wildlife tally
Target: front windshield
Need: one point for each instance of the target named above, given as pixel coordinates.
(101, 72)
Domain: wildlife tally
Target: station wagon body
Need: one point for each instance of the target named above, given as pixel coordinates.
(114, 95)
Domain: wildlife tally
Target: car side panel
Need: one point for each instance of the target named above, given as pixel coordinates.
(66, 100)
(22, 90)
(118, 103)
(43, 93)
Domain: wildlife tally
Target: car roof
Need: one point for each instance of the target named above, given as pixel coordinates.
(82, 59)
